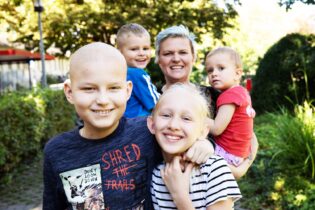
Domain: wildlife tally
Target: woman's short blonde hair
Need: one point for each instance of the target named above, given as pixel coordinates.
(173, 32)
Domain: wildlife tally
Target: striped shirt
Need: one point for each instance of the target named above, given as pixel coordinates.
(210, 183)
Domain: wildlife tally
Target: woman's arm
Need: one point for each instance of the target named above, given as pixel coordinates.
(202, 149)
(241, 170)
(223, 118)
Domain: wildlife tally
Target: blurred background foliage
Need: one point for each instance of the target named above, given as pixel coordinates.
(69, 24)
(282, 176)
(286, 74)
(274, 37)
(27, 121)
(250, 26)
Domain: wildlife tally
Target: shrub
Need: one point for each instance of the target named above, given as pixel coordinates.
(59, 114)
(27, 121)
(282, 174)
(296, 141)
(258, 182)
(54, 79)
(21, 128)
(156, 74)
(285, 74)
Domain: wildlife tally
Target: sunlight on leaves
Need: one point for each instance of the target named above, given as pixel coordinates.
(299, 199)
(279, 184)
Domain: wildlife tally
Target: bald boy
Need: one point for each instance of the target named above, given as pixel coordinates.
(107, 162)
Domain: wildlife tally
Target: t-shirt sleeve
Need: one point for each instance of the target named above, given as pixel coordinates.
(234, 96)
(144, 90)
(221, 183)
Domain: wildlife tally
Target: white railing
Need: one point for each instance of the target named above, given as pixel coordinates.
(14, 76)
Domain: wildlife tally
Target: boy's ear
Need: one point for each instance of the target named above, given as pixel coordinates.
(206, 129)
(129, 89)
(68, 91)
(150, 124)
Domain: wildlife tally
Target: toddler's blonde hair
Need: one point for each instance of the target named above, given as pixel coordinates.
(130, 28)
(235, 56)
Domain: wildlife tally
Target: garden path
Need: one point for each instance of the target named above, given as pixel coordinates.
(25, 190)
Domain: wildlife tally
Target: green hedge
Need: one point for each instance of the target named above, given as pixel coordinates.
(59, 114)
(27, 121)
(286, 74)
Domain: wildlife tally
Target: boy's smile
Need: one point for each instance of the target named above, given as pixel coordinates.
(99, 91)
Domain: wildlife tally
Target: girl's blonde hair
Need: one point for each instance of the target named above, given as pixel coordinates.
(194, 93)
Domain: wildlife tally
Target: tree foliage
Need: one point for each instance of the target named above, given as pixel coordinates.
(289, 3)
(286, 74)
(69, 24)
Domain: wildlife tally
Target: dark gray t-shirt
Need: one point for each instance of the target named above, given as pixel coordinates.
(111, 173)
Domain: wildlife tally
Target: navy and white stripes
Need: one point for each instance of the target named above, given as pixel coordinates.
(210, 183)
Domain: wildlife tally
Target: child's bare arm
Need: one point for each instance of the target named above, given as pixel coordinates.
(223, 118)
(241, 170)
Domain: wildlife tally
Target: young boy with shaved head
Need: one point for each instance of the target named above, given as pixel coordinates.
(107, 162)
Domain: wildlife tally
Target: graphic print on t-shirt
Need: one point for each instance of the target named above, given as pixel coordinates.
(83, 187)
(125, 173)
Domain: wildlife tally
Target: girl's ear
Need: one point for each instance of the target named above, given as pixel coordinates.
(68, 91)
(206, 128)
(150, 124)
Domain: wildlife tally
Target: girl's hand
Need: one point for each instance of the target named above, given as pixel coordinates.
(177, 179)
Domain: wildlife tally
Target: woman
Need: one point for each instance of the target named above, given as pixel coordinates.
(175, 52)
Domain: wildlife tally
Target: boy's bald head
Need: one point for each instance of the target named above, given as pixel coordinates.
(94, 53)
(98, 88)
